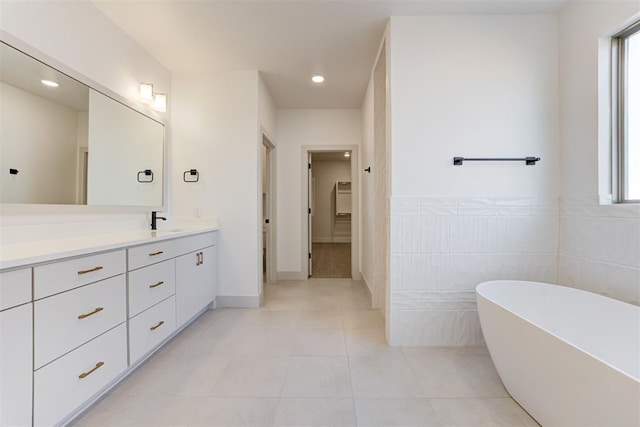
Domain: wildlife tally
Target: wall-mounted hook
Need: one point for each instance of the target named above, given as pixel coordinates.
(368, 170)
(145, 173)
(193, 173)
(13, 171)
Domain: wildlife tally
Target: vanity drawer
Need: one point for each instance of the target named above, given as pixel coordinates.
(150, 285)
(188, 244)
(64, 385)
(67, 320)
(15, 288)
(151, 327)
(61, 276)
(141, 256)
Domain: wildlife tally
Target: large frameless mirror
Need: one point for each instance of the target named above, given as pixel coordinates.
(64, 143)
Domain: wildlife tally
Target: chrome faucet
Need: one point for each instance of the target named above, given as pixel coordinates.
(155, 218)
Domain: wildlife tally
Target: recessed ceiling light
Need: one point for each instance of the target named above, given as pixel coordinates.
(49, 83)
(347, 154)
(317, 78)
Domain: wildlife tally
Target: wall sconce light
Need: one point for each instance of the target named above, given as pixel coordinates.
(160, 102)
(148, 96)
(146, 93)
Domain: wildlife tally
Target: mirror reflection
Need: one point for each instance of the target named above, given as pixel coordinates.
(62, 142)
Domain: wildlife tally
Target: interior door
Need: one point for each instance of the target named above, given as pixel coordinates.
(310, 213)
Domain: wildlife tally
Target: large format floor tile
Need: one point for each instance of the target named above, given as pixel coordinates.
(236, 411)
(383, 376)
(480, 412)
(395, 412)
(314, 355)
(318, 377)
(315, 412)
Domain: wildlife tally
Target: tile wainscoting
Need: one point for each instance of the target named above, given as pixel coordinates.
(442, 247)
(600, 248)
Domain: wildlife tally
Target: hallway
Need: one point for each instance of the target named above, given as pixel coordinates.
(331, 260)
(315, 354)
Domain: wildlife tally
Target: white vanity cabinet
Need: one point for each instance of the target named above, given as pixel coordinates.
(196, 282)
(72, 327)
(16, 360)
(170, 282)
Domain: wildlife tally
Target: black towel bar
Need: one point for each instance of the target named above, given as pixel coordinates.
(529, 160)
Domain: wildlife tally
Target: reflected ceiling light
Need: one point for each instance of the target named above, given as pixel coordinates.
(318, 78)
(49, 83)
(146, 92)
(160, 102)
(347, 154)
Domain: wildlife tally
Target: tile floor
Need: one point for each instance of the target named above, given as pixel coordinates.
(314, 355)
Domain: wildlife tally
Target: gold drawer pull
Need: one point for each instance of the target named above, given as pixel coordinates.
(156, 285)
(156, 253)
(86, 374)
(97, 310)
(160, 323)
(91, 270)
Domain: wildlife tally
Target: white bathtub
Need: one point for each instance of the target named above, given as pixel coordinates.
(568, 357)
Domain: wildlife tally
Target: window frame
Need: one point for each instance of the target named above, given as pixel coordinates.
(618, 111)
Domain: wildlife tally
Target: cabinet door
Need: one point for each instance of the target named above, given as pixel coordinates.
(187, 284)
(16, 366)
(208, 280)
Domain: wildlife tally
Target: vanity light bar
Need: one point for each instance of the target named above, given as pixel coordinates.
(157, 99)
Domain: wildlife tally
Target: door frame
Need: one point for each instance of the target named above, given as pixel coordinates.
(271, 229)
(355, 205)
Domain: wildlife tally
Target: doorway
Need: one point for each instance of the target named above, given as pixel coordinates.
(331, 212)
(268, 211)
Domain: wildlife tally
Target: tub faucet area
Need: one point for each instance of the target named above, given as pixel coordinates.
(154, 219)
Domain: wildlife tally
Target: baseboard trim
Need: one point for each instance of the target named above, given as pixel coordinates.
(237, 301)
(367, 287)
(292, 275)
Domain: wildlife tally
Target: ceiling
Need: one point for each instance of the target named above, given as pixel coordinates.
(24, 72)
(287, 40)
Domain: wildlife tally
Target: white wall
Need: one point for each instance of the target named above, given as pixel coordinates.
(39, 138)
(297, 128)
(216, 131)
(79, 40)
(78, 36)
(473, 86)
(599, 244)
(326, 226)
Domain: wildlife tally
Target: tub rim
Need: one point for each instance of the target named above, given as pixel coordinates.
(486, 284)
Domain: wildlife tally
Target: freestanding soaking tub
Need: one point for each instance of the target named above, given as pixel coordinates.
(568, 357)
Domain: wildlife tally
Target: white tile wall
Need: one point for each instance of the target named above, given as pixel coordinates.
(442, 247)
(600, 248)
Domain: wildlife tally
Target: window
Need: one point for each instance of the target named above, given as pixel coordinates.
(626, 113)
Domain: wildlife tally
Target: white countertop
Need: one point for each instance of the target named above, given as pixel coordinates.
(21, 254)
